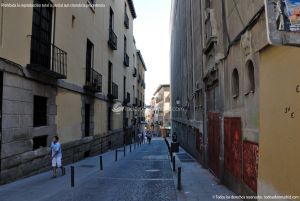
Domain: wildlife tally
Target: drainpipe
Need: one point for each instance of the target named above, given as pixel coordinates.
(1, 98)
(205, 121)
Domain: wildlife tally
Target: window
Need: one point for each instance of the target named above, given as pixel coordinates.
(109, 77)
(250, 77)
(235, 83)
(73, 21)
(39, 111)
(124, 87)
(111, 19)
(41, 34)
(89, 59)
(109, 118)
(92, 1)
(207, 4)
(39, 142)
(125, 44)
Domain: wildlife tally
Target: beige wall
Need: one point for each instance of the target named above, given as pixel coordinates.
(69, 116)
(279, 150)
(89, 24)
(15, 45)
(100, 117)
(92, 24)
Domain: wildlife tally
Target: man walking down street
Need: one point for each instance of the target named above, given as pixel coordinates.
(56, 155)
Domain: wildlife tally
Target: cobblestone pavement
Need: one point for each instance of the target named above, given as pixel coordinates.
(143, 175)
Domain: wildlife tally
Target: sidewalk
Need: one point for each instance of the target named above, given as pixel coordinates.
(197, 183)
(42, 186)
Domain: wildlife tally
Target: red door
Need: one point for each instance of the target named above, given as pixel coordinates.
(214, 142)
(233, 146)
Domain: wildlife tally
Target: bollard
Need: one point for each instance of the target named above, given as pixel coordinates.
(101, 163)
(130, 147)
(116, 155)
(72, 176)
(174, 169)
(171, 156)
(179, 179)
(124, 150)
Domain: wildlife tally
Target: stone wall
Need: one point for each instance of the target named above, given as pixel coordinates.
(33, 162)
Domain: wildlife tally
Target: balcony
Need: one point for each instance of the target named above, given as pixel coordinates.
(126, 60)
(140, 79)
(113, 40)
(134, 72)
(94, 81)
(126, 21)
(48, 59)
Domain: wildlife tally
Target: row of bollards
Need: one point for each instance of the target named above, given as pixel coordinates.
(101, 161)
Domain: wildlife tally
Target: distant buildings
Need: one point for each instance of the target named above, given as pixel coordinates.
(158, 115)
(240, 94)
(63, 71)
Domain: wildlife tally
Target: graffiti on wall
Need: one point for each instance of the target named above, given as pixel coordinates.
(214, 142)
(233, 145)
(250, 164)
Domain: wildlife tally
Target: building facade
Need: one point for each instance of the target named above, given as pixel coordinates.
(231, 76)
(62, 72)
(161, 110)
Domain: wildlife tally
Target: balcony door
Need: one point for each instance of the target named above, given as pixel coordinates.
(41, 34)
(89, 60)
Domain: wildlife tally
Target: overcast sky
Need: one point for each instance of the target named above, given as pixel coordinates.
(151, 31)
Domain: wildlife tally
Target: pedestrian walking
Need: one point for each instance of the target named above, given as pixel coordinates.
(149, 137)
(140, 138)
(56, 155)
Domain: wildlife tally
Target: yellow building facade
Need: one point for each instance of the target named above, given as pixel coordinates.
(64, 70)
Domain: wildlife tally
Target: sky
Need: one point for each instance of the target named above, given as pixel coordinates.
(151, 32)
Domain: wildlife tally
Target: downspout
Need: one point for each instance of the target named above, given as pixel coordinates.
(1, 98)
(193, 56)
(205, 122)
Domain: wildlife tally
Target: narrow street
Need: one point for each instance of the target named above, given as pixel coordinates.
(145, 174)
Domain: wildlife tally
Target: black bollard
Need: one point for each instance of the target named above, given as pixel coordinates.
(101, 163)
(116, 155)
(130, 147)
(179, 179)
(72, 176)
(174, 169)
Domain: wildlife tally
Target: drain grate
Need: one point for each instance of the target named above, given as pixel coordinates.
(87, 166)
(183, 157)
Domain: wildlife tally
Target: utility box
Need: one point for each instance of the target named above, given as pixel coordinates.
(175, 146)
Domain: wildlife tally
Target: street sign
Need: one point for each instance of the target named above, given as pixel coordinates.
(283, 22)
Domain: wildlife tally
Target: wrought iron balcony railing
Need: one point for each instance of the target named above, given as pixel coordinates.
(48, 59)
(113, 40)
(126, 59)
(93, 81)
(126, 21)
